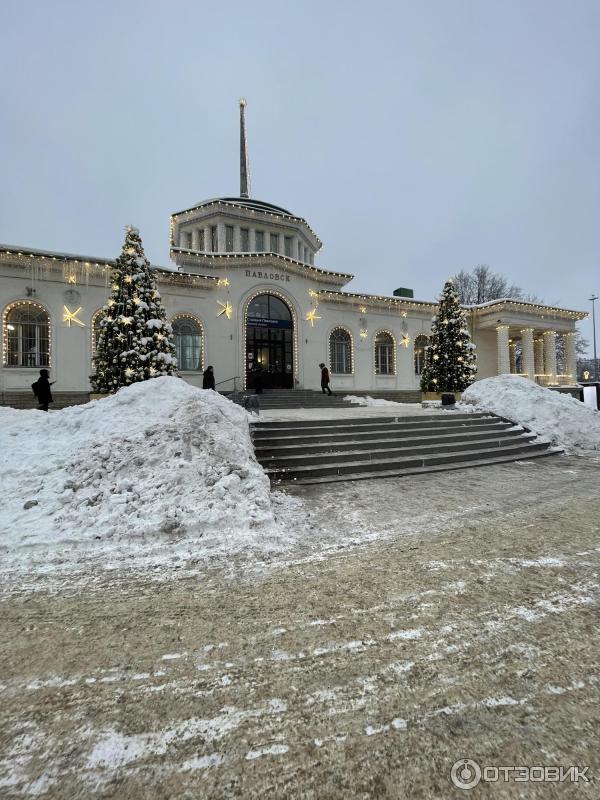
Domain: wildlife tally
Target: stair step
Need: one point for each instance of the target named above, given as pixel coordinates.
(401, 473)
(274, 438)
(370, 444)
(313, 426)
(402, 462)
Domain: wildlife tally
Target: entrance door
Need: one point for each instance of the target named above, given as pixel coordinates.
(269, 344)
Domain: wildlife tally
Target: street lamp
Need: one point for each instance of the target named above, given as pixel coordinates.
(593, 299)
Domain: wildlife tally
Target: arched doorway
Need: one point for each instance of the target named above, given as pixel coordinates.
(269, 343)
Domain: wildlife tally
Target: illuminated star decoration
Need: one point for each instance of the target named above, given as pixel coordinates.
(226, 308)
(405, 340)
(363, 333)
(71, 278)
(223, 282)
(70, 317)
(403, 313)
(363, 309)
(312, 293)
(312, 317)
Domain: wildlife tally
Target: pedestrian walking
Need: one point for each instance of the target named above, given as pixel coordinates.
(208, 378)
(325, 379)
(41, 389)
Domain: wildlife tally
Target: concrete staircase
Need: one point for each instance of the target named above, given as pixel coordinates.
(323, 451)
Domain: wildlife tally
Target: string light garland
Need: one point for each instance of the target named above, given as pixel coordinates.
(6, 328)
(392, 344)
(290, 305)
(198, 322)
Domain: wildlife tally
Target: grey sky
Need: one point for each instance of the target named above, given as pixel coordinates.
(416, 138)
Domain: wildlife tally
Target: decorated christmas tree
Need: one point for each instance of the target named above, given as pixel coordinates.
(135, 341)
(450, 361)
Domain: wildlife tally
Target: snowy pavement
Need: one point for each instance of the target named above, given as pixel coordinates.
(412, 623)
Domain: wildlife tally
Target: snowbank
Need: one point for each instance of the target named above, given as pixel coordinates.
(559, 417)
(369, 401)
(159, 459)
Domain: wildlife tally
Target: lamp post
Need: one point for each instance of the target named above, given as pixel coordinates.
(593, 299)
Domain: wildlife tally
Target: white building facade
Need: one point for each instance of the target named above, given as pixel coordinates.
(245, 295)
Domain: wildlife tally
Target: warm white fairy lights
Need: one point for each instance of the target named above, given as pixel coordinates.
(295, 344)
(183, 317)
(7, 327)
(384, 338)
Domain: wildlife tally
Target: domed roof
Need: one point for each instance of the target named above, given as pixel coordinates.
(248, 202)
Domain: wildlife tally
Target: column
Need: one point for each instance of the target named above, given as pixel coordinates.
(237, 239)
(512, 346)
(571, 356)
(528, 367)
(252, 240)
(550, 356)
(221, 237)
(281, 244)
(207, 242)
(503, 349)
(195, 239)
(538, 355)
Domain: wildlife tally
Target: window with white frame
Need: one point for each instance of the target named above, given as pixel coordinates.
(187, 332)
(340, 351)
(421, 345)
(287, 246)
(214, 239)
(245, 239)
(274, 242)
(384, 354)
(229, 238)
(27, 335)
(259, 241)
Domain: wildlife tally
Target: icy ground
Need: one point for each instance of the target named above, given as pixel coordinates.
(422, 621)
(559, 417)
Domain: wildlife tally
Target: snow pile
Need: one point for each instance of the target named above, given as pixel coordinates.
(559, 417)
(369, 401)
(159, 459)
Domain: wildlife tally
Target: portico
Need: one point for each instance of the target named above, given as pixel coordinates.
(532, 340)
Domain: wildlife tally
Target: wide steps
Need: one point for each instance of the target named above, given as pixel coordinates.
(310, 451)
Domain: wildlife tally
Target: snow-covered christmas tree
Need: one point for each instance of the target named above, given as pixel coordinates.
(135, 340)
(450, 364)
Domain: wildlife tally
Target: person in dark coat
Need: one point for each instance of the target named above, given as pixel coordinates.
(42, 390)
(325, 379)
(258, 379)
(208, 378)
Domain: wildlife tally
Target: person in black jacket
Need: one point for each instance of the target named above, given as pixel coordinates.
(325, 379)
(208, 378)
(42, 390)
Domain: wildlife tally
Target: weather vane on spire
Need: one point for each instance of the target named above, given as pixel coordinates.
(244, 166)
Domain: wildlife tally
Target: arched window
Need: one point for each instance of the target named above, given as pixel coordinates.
(27, 335)
(188, 343)
(340, 351)
(421, 345)
(384, 354)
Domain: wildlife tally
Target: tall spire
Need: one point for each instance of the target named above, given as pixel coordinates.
(244, 166)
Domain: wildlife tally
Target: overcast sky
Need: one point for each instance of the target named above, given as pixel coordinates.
(417, 138)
